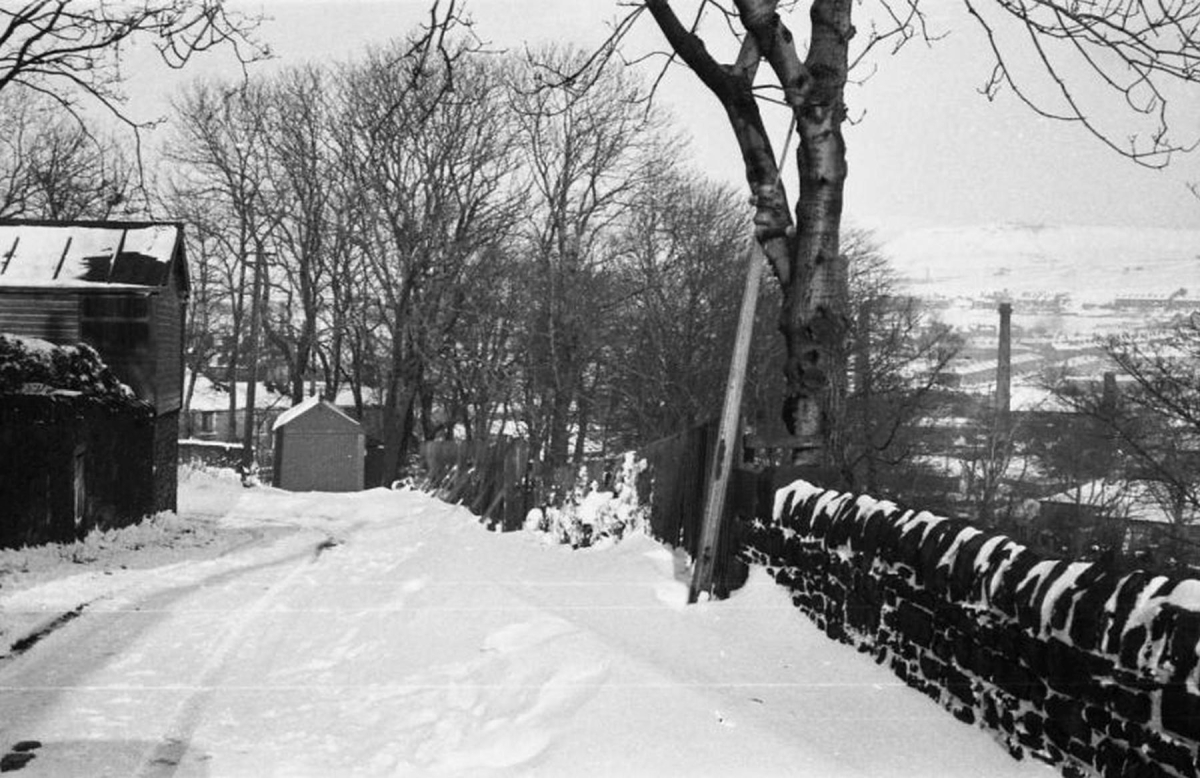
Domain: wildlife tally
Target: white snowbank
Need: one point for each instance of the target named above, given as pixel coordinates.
(391, 634)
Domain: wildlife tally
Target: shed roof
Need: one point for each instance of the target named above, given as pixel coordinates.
(93, 255)
(296, 411)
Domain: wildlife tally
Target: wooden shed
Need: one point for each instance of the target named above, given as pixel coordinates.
(318, 449)
(120, 287)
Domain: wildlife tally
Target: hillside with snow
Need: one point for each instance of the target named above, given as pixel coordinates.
(1092, 264)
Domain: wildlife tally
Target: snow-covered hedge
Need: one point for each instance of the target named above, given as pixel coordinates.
(589, 514)
(1090, 669)
(31, 361)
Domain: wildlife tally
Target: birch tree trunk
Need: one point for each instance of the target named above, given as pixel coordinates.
(803, 254)
(813, 317)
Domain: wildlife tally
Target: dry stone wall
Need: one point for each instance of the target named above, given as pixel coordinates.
(1072, 663)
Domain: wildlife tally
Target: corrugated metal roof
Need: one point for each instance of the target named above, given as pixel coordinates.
(87, 253)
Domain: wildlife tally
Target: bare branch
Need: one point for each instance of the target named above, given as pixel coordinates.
(1135, 50)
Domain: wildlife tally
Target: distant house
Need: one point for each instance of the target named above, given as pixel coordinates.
(120, 287)
(1129, 514)
(318, 449)
(208, 418)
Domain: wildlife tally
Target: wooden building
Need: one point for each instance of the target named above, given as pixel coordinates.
(71, 463)
(318, 448)
(120, 287)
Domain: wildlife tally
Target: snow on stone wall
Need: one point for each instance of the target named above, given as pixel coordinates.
(1080, 666)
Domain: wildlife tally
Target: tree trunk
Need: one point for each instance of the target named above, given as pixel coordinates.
(864, 389)
(187, 401)
(399, 412)
(560, 432)
(231, 380)
(813, 318)
(398, 425)
(805, 258)
(585, 407)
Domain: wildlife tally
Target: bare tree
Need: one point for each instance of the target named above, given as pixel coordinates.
(1138, 51)
(477, 373)
(992, 461)
(587, 149)
(431, 164)
(54, 169)
(203, 327)
(70, 51)
(308, 241)
(679, 311)
(898, 355)
(1156, 422)
(220, 148)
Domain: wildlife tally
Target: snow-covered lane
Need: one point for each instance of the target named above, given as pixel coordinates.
(394, 635)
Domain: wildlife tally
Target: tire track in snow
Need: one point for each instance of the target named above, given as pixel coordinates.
(164, 758)
(27, 642)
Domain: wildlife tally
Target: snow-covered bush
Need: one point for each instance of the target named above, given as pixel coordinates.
(588, 514)
(75, 368)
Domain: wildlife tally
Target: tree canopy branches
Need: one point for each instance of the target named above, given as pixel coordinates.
(1139, 53)
(69, 48)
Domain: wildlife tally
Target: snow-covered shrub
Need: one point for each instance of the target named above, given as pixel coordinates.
(589, 514)
(75, 368)
(195, 470)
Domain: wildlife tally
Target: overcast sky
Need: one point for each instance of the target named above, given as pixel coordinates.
(926, 149)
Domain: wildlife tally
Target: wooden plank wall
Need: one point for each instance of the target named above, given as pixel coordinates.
(673, 484)
(168, 351)
(54, 317)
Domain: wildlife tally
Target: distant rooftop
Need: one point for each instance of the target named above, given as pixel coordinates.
(1135, 500)
(87, 253)
(296, 411)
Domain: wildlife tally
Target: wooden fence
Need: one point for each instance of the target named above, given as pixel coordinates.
(488, 477)
(497, 481)
(69, 464)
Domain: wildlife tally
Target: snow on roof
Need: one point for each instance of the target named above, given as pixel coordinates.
(345, 397)
(207, 396)
(64, 255)
(1029, 397)
(297, 411)
(1134, 500)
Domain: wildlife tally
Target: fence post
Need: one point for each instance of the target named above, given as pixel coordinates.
(728, 435)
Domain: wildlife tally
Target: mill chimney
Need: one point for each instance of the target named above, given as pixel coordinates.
(1110, 397)
(1004, 361)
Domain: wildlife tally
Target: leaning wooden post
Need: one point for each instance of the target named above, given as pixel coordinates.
(727, 440)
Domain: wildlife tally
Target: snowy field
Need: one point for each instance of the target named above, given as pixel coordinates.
(386, 633)
(1092, 264)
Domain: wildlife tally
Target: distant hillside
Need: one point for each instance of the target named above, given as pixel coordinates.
(1090, 263)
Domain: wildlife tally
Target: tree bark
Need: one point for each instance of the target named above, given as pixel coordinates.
(805, 257)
